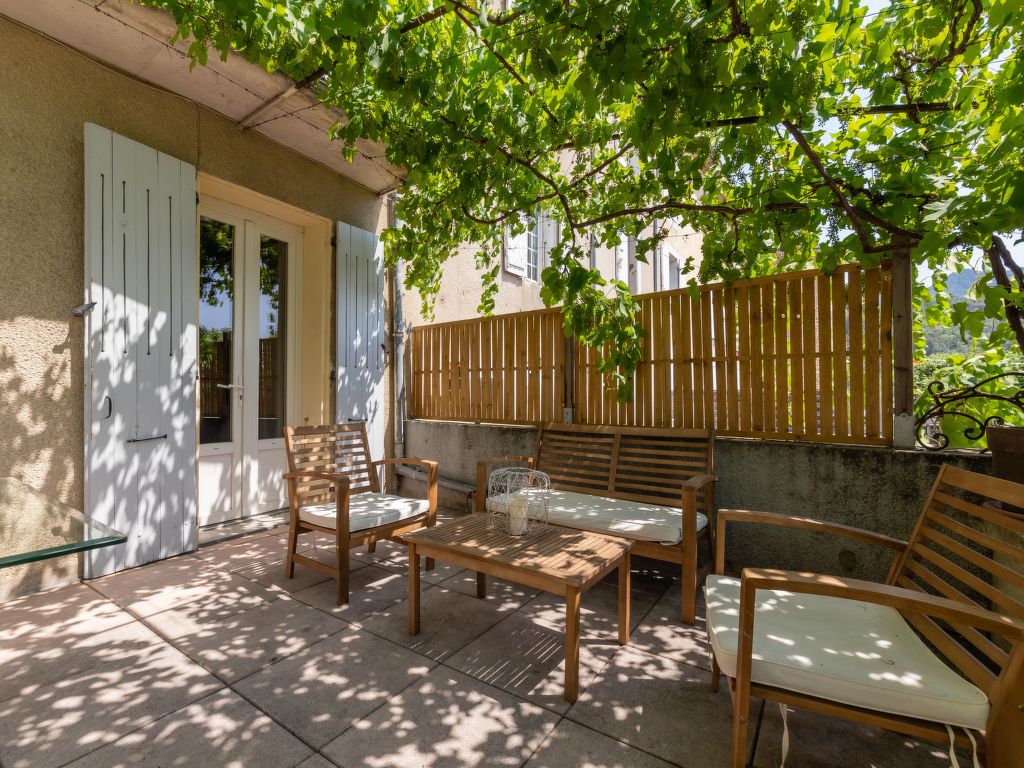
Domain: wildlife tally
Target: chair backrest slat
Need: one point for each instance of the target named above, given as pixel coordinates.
(635, 463)
(332, 448)
(966, 547)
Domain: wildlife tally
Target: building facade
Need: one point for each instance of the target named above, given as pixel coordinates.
(187, 264)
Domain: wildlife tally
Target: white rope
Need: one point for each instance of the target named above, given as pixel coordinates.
(952, 747)
(785, 735)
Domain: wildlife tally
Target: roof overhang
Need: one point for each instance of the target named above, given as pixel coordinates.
(136, 40)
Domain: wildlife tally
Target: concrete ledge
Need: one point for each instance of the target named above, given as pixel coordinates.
(880, 489)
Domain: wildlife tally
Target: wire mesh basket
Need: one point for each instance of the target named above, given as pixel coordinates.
(517, 500)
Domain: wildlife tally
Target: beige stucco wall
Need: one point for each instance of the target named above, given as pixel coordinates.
(459, 295)
(47, 94)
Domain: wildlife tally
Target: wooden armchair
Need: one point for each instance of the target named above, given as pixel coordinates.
(334, 488)
(936, 652)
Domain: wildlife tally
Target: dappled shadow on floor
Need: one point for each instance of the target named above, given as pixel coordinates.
(214, 660)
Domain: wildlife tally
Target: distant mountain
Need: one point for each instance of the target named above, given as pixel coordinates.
(959, 284)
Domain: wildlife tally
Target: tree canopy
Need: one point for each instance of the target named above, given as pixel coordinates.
(788, 132)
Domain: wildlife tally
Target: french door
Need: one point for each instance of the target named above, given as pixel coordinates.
(248, 267)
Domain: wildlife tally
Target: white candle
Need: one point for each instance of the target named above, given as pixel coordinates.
(517, 516)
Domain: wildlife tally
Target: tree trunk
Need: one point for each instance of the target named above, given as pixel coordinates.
(1001, 260)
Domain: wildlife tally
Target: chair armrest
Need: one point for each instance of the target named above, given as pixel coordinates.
(900, 598)
(790, 521)
(429, 465)
(483, 471)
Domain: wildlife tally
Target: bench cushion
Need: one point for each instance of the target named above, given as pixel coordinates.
(366, 510)
(630, 519)
(848, 651)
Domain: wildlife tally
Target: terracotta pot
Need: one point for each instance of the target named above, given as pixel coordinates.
(1007, 446)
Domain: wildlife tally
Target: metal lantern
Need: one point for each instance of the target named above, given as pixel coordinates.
(517, 500)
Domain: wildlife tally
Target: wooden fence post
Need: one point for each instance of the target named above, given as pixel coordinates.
(568, 414)
(903, 349)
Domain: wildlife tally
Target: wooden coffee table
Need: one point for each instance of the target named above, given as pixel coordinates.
(558, 560)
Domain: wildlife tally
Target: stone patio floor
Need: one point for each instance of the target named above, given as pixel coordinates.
(216, 659)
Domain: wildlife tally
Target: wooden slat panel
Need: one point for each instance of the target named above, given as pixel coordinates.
(799, 356)
(766, 322)
(826, 412)
(872, 352)
(837, 285)
(856, 324)
(886, 362)
(744, 388)
(796, 340)
(809, 327)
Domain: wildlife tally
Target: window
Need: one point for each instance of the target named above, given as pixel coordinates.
(622, 259)
(533, 249)
(672, 266)
(523, 250)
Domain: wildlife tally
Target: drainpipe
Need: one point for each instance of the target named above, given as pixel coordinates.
(398, 359)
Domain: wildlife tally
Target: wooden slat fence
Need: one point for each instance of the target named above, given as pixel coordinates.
(215, 369)
(505, 369)
(798, 356)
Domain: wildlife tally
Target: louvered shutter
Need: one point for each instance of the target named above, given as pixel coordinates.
(140, 415)
(360, 324)
(516, 247)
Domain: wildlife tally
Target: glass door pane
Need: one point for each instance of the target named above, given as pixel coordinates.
(216, 329)
(272, 337)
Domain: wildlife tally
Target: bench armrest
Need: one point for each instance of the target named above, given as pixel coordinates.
(429, 465)
(697, 482)
(791, 521)
(483, 471)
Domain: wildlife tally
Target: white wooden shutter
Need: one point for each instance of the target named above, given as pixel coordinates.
(140, 353)
(360, 322)
(516, 253)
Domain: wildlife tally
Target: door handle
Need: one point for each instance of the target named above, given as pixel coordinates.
(147, 439)
(110, 406)
(231, 386)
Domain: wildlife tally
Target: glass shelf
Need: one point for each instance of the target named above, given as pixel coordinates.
(33, 528)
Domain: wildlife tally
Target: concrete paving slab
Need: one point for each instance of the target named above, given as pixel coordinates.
(572, 744)
(32, 663)
(505, 594)
(178, 581)
(57, 614)
(448, 621)
(236, 646)
(447, 720)
(221, 730)
(599, 610)
(662, 632)
(371, 589)
(63, 721)
(528, 659)
(321, 691)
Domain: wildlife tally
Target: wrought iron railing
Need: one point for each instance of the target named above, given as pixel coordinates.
(962, 403)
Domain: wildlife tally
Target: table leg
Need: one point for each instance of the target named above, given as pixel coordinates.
(414, 591)
(572, 644)
(481, 584)
(624, 599)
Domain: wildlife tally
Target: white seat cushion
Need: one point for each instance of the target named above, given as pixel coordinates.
(847, 651)
(631, 519)
(366, 510)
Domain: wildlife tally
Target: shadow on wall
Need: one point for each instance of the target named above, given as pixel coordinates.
(39, 447)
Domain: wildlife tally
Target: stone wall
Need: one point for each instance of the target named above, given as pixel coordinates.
(880, 489)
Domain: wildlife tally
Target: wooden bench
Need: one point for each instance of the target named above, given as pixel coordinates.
(654, 486)
(938, 646)
(334, 488)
